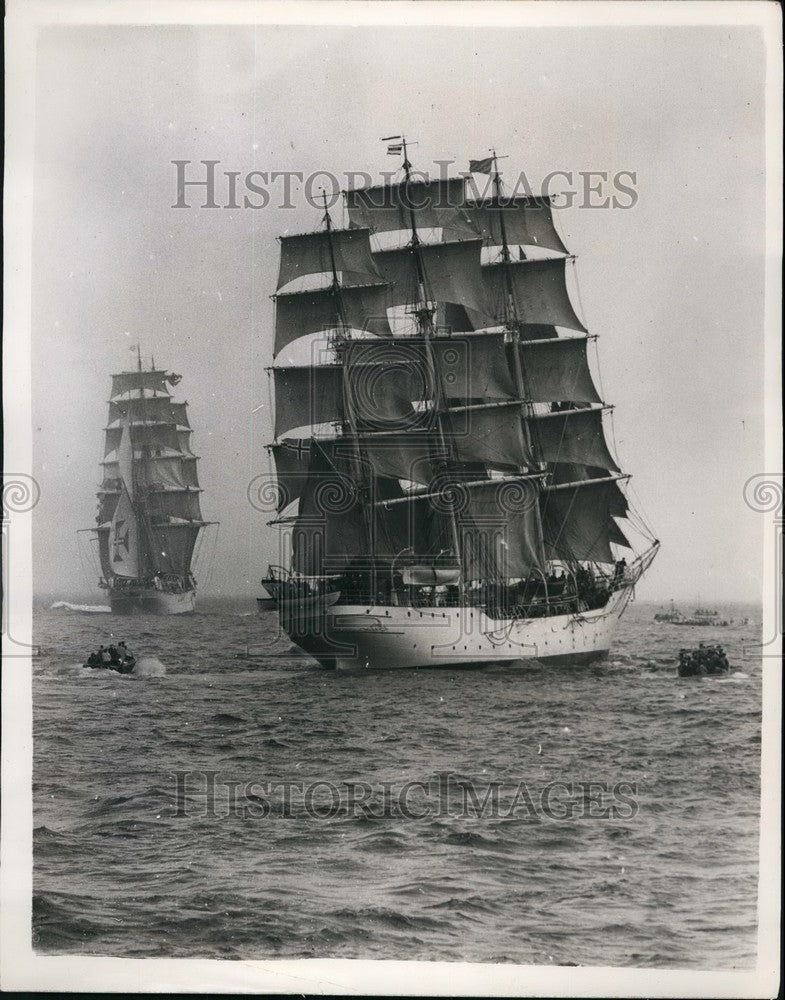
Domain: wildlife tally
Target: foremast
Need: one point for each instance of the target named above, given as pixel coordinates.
(424, 311)
(350, 426)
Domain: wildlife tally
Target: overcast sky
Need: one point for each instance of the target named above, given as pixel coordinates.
(672, 286)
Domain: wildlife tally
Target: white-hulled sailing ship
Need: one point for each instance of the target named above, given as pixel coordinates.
(456, 500)
(149, 517)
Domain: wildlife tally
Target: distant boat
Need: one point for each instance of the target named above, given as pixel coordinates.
(149, 516)
(703, 617)
(673, 616)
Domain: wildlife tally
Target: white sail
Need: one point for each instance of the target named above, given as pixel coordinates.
(124, 539)
(125, 460)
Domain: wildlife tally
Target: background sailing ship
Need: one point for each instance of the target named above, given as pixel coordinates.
(457, 500)
(149, 516)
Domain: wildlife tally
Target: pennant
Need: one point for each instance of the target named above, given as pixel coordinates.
(395, 150)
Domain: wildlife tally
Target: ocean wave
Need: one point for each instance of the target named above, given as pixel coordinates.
(160, 876)
(386, 916)
(151, 800)
(129, 829)
(149, 666)
(41, 833)
(59, 923)
(227, 719)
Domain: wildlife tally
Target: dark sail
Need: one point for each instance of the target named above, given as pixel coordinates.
(526, 221)
(454, 445)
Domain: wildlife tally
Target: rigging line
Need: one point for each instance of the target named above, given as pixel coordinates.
(197, 557)
(271, 399)
(633, 515)
(635, 507)
(598, 367)
(642, 514)
(211, 561)
(559, 231)
(574, 271)
(197, 560)
(644, 526)
(616, 455)
(647, 535)
(613, 436)
(640, 524)
(199, 545)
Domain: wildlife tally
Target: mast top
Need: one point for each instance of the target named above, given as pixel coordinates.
(398, 145)
(327, 219)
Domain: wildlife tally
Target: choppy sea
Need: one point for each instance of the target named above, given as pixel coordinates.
(233, 800)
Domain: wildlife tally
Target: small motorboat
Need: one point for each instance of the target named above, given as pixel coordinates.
(673, 617)
(291, 603)
(704, 618)
(307, 605)
(705, 661)
(121, 661)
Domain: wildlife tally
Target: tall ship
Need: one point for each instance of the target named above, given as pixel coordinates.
(149, 517)
(443, 482)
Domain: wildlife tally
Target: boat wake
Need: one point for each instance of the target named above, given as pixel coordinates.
(149, 666)
(91, 609)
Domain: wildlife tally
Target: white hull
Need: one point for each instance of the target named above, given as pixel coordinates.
(388, 637)
(152, 602)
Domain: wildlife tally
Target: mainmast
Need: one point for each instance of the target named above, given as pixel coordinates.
(142, 504)
(424, 316)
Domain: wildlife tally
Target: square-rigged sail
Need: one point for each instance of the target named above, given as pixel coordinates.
(470, 447)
